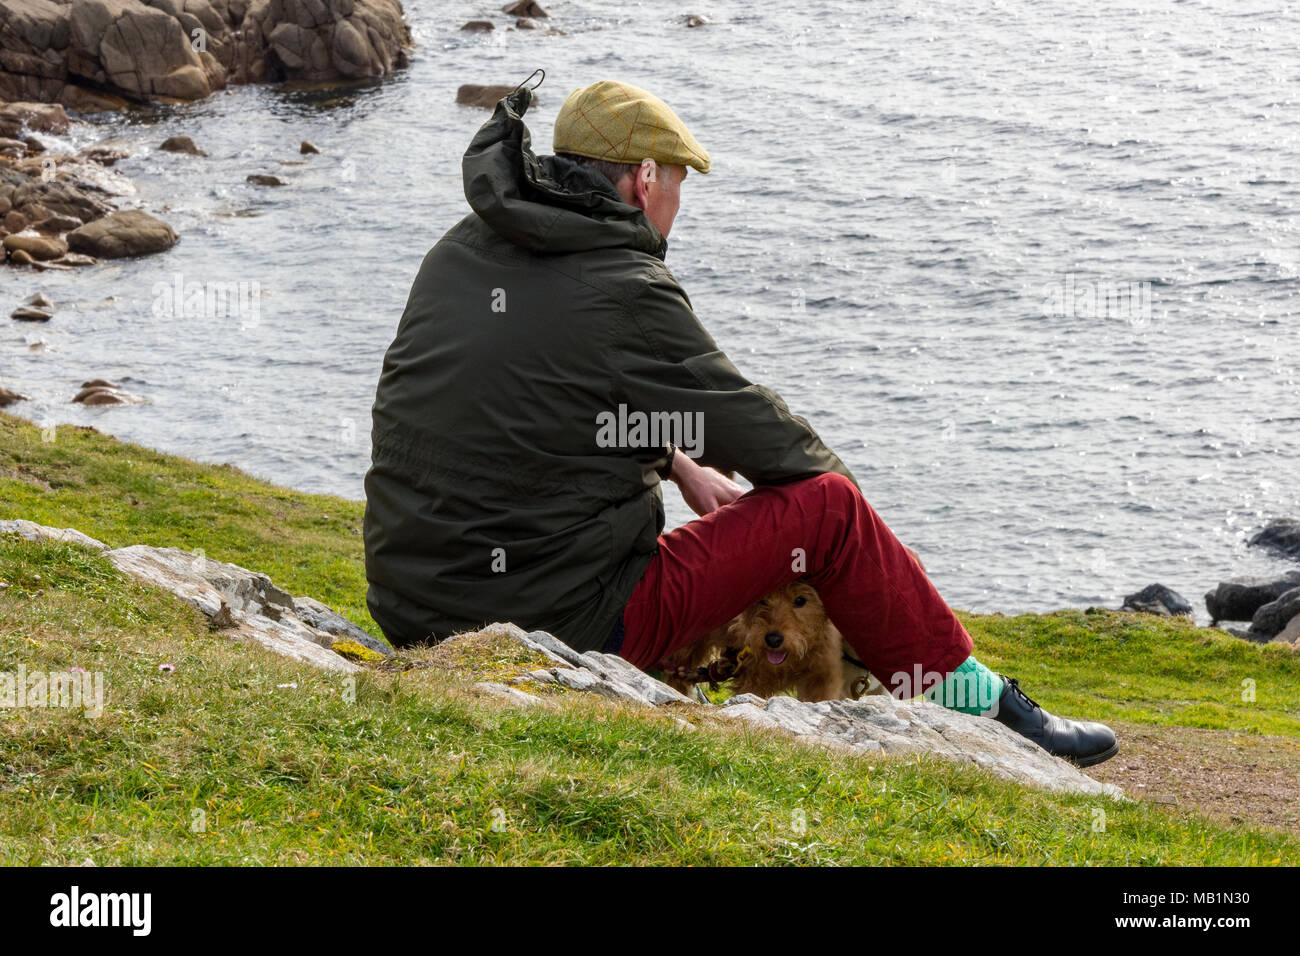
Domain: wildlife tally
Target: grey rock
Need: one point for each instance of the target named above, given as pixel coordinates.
(39, 532)
(614, 668)
(105, 395)
(313, 612)
(525, 8)
(38, 247)
(923, 727)
(244, 605)
(8, 396)
(876, 724)
(181, 144)
(15, 118)
(1270, 619)
(1158, 599)
(513, 694)
(122, 234)
(56, 225)
(1281, 536)
(552, 645)
(1290, 634)
(1241, 632)
(1239, 598)
(576, 678)
(97, 54)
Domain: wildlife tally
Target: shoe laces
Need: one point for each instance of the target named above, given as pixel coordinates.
(1015, 686)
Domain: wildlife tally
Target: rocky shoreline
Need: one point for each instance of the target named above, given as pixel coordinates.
(97, 55)
(101, 54)
(58, 208)
(1271, 604)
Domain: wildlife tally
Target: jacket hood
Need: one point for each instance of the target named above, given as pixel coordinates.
(546, 204)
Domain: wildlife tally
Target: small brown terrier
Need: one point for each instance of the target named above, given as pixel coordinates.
(784, 642)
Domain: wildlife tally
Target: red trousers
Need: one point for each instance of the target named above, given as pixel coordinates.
(711, 569)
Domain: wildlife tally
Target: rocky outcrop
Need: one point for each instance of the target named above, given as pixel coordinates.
(181, 144)
(1281, 536)
(1271, 619)
(18, 119)
(242, 605)
(122, 234)
(873, 726)
(53, 202)
(1239, 598)
(8, 397)
(76, 51)
(99, 392)
(39, 532)
(1158, 599)
(38, 247)
(525, 8)
(1290, 634)
(36, 189)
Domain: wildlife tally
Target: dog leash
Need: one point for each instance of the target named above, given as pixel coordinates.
(727, 666)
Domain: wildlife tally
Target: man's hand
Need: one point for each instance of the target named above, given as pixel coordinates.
(703, 489)
(915, 557)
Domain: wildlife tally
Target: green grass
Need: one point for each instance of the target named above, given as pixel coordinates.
(1146, 669)
(126, 494)
(218, 762)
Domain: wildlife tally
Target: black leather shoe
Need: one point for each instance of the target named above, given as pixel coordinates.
(1083, 743)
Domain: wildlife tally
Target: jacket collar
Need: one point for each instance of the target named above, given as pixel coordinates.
(546, 204)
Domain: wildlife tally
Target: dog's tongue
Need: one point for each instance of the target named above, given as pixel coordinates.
(776, 657)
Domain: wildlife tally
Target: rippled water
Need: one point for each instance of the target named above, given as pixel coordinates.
(908, 210)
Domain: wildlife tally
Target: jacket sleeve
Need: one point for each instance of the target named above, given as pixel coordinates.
(669, 363)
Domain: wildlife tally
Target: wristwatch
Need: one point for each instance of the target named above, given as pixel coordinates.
(665, 472)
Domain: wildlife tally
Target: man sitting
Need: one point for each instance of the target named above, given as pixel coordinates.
(499, 491)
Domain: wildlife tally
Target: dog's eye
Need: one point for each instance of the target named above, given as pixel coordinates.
(800, 601)
(763, 603)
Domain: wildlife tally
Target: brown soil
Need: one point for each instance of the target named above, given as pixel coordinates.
(1232, 777)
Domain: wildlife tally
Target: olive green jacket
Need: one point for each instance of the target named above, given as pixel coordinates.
(491, 495)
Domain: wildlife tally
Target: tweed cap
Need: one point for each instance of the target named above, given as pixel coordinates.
(622, 123)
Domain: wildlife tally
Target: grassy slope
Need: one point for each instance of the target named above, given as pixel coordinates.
(126, 494)
(413, 770)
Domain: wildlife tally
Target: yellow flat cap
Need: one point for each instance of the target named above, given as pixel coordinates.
(622, 123)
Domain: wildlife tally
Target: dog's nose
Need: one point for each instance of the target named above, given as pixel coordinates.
(773, 638)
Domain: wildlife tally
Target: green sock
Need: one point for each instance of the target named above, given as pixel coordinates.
(970, 689)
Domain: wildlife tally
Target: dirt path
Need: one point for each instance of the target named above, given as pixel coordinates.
(1233, 777)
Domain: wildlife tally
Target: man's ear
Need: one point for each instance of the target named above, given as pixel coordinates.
(647, 174)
